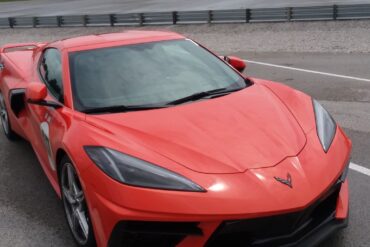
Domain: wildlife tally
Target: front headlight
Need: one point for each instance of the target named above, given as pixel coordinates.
(136, 172)
(325, 125)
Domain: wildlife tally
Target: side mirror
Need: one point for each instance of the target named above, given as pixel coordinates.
(236, 62)
(36, 94)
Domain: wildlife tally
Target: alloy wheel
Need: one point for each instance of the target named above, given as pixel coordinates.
(4, 115)
(74, 204)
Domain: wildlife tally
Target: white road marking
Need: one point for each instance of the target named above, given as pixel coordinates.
(359, 169)
(308, 71)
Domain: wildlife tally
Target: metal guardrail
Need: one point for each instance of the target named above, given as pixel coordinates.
(332, 12)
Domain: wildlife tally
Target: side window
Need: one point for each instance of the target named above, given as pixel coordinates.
(51, 72)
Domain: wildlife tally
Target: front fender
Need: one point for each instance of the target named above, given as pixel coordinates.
(298, 103)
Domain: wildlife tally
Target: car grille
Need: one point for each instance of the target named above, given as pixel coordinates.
(280, 229)
(145, 233)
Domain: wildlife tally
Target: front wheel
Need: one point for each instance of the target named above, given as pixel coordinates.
(75, 206)
(4, 118)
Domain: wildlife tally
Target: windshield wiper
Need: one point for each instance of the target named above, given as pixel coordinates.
(122, 108)
(204, 94)
(193, 97)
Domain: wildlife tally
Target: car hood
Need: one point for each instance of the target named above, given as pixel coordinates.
(247, 129)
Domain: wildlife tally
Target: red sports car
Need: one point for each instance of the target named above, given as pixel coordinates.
(150, 139)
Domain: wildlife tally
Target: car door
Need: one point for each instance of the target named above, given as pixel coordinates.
(48, 123)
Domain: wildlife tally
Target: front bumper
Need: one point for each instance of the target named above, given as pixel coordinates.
(195, 219)
(307, 227)
(302, 228)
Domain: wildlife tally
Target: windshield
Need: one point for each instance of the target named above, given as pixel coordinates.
(147, 74)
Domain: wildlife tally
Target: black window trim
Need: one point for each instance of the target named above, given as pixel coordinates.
(43, 79)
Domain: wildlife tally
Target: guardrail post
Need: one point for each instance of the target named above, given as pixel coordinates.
(335, 12)
(85, 20)
(247, 15)
(141, 19)
(174, 17)
(289, 13)
(59, 21)
(11, 22)
(112, 19)
(34, 22)
(210, 15)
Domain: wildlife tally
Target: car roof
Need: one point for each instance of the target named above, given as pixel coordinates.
(128, 37)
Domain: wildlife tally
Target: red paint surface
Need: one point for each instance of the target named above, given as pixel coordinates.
(232, 146)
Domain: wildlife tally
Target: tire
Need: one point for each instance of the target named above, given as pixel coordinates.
(74, 204)
(5, 123)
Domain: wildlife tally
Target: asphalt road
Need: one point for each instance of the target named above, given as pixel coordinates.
(31, 215)
(69, 7)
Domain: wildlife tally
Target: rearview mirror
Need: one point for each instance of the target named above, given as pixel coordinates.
(36, 94)
(236, 62)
